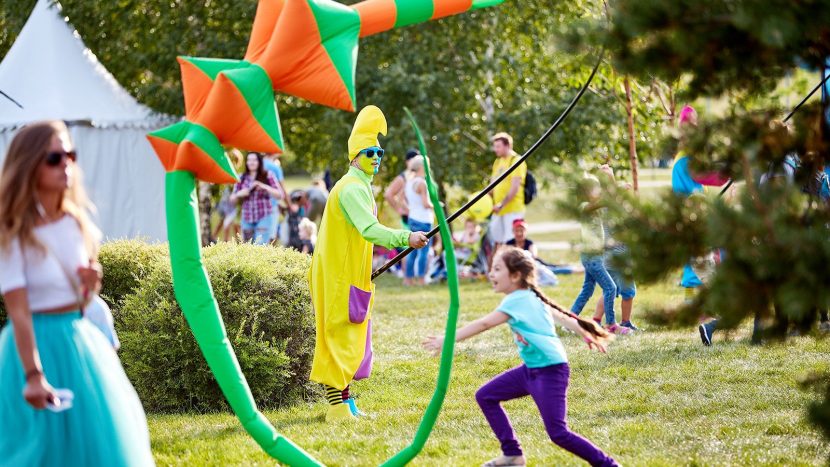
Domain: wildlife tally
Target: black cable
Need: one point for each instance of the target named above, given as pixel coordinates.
(10, 98)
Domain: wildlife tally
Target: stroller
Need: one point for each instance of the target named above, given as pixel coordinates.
(471, 265)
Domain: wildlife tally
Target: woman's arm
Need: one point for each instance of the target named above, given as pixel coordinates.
(37, 392)
(391, 194)
(478, 326)
(239, 193)
(421, 189)
(592, 206)
(272, 187)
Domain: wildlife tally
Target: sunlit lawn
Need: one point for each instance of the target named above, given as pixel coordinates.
(658, 398)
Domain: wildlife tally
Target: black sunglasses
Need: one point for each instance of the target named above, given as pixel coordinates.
(371, 152)
(55, 158)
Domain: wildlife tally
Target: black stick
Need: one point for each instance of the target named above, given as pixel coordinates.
(10, 98)
(504, 175)
(803, 101)
(806, 98)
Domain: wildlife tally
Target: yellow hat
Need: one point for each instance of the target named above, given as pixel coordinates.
(370, 121)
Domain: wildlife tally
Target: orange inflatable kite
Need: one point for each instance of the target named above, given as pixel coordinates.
(305, 48)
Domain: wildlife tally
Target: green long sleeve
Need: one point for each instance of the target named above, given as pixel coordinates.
(356, 203)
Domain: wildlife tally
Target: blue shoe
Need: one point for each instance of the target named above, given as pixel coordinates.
(353, 408)
(705, 334)
(629, 325)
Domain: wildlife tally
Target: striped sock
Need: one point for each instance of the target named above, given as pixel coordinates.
(345, 393)
(334, 395)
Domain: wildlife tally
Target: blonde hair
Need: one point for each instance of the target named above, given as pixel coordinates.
(417, 162)
(18, 189)
(502, 136)
(308, 226)
(521, 262)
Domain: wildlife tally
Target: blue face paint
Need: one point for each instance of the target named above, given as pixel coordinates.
(369, 160)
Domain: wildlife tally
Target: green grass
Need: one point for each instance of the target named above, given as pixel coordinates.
(658, 398)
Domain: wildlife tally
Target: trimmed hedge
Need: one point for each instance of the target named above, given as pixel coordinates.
(266, 305)
(126, 263)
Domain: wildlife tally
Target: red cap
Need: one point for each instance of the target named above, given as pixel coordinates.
(519, 223)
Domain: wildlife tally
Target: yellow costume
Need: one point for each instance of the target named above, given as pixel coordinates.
(341, 267)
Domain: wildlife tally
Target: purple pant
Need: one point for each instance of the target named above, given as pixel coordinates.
(548, 386)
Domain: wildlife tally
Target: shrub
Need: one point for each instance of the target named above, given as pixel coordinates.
(126, 263)
(264, 298)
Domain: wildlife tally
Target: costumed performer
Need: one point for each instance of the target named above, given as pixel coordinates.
(341, 269)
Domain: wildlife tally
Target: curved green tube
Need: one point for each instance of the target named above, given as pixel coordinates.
(195, 296)
(445, 369)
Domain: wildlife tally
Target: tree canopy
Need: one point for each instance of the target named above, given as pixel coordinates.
(464, 77)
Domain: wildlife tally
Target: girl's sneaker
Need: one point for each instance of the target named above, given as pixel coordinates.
(617, 329)
(506, 461)
(629, 325)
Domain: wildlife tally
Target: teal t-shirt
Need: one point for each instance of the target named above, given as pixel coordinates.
(533, 329)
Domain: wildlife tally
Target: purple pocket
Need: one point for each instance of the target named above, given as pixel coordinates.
(358, 304)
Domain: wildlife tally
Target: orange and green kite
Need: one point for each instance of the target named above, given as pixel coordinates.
(304, 48)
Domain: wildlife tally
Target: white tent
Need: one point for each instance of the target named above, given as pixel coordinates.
(52, 74)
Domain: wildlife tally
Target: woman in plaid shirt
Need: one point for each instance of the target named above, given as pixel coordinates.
(255, 188)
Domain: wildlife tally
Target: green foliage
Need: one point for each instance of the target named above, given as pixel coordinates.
(264, 299)
(719, 45)
(126, 263)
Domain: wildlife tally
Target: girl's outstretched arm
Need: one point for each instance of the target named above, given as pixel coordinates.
(570, 323)
(435, 343)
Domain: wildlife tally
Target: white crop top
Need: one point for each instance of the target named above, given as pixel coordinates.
(47, 286)
(417, 210)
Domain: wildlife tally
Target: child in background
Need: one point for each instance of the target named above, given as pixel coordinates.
(467, 241)
(593, 249)
(545, 276)
(545, 373)
(308, 235)
(296, 212)
(626, 288)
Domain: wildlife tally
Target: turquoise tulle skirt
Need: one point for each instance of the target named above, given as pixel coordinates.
(106, 424)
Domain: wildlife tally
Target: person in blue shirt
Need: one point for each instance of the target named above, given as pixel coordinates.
(544, 374)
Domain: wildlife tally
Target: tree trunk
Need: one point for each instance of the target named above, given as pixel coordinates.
(632, 143)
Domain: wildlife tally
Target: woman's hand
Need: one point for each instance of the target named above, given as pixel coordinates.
(90, 278)
(243, 193)
(38, 392)
(433, 344)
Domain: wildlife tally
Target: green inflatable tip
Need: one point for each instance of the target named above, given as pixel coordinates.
(478, 4)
